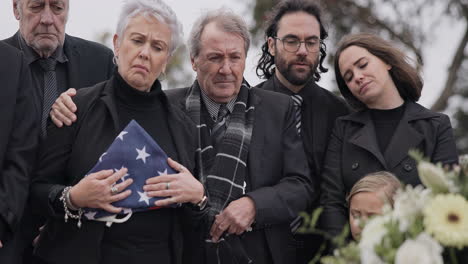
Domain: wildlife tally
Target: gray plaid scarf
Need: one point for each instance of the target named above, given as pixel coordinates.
(223, 173)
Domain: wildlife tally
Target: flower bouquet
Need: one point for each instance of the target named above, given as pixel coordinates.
(426, 224)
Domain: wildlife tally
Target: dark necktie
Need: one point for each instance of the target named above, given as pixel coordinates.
(50, 90)
(297, 99)
(219, 127)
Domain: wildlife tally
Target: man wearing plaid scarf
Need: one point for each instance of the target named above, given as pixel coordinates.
(250, 157)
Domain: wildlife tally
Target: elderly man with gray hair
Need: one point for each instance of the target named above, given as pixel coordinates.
(250, 157)
(57, 61)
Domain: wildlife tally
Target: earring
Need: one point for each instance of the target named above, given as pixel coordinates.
(162, 76)
(114, 60)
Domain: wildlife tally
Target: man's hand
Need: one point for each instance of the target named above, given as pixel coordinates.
(63, 109)
(36, 239)
(236, 218)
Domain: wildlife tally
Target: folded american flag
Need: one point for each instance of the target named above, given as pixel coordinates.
(135, 150)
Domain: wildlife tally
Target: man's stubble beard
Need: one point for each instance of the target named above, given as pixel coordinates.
(288, 72)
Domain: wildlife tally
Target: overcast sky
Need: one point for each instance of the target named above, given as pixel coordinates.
(88, 18)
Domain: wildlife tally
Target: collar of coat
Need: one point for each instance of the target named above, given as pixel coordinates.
(413, 111)
(405, 134)
(179, 95)
(105, 91)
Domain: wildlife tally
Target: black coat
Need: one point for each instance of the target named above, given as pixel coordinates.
(69, 153)
(88, 63)
(353, 152)
(19, 134)
(277, 174)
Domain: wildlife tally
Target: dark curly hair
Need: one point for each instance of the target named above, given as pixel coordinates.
(265, 68)
(407, 79)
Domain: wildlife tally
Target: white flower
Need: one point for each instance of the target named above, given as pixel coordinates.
(368, 256)
(463, 162)
(424, 249)
(373, 232)
(409, 203)
(446, 217)
(433, 177)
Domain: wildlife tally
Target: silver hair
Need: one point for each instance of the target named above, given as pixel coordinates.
(226, 20)
(155, 8)
(18, 7)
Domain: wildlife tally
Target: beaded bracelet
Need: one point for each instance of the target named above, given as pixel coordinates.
(70, 205)
(65, 198)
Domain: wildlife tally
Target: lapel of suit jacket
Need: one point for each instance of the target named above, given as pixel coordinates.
(268, 85)
(405, 137)
(365, 136)
(73, 67)
(177, 125)
(14, 40)
(255, 160)
(312, 102)
(108, 98)
(319, 121)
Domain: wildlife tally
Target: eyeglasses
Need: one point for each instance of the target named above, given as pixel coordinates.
(293, 44)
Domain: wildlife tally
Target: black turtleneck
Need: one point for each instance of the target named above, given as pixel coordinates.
(386, 122)
(148, 109)
(146, 235)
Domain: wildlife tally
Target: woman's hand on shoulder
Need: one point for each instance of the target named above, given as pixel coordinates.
(100, 189)
(181, 187)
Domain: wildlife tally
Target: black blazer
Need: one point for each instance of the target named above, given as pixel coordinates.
(278, 175)
(319, 111)
(66, 156)
(88, 62)
(19, 134)
(353, 152)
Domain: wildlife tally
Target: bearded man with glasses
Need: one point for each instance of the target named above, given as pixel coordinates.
(292, 61)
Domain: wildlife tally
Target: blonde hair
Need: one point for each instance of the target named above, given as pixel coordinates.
(383, 182)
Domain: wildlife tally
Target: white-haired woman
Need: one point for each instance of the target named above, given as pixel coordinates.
(148, 32)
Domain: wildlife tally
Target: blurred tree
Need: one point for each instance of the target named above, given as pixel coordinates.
(409, 23)
(458, 105)
(179, 73)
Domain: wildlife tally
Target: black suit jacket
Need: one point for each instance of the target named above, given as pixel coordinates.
(353, 152)
(69, 153)
(88, 62)
(319, 111)
(18, 138)
(278, 176)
